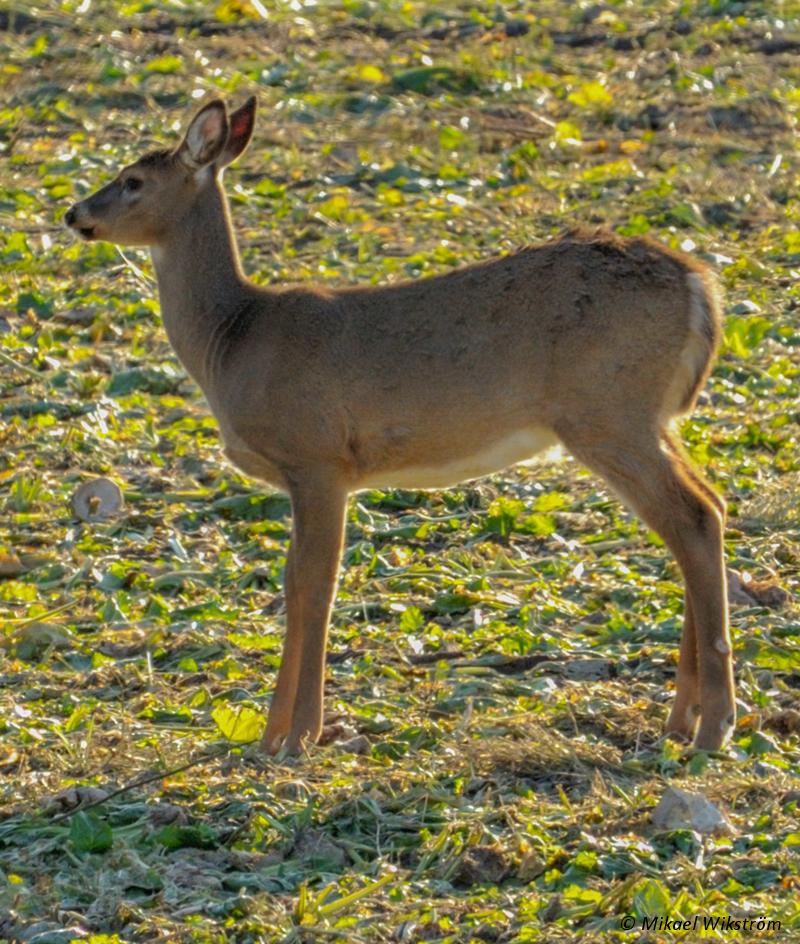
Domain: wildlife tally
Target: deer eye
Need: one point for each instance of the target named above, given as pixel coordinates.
(132, 184)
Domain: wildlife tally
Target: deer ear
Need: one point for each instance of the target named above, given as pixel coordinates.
(242, 122)
(206, 136)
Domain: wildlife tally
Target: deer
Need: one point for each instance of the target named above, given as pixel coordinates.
(592, 341)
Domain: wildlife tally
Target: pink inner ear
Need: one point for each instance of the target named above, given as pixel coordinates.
(212, 124)
(239, 125)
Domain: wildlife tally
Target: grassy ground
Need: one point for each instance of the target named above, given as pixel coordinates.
(480, 780)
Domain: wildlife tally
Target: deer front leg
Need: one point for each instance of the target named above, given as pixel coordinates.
(312, 566)
(280, 711)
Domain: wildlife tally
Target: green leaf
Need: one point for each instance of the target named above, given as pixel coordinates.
(16, 247)
(165, 64)
(182, 715)
(651, 898)
(742, 335)
(551, 501)
(450, 137)
(42, 307)
(186, 837)
(587, 860)
(210, 610)
(425, 79)
(268, 188)
(637, 226)
(503, 512)
(334, 207)
(699, 763)
(158, 380)
(759, 744)
(411, 620)
(77, 718)
(579, 894)
(791, 242)
(89, 833)
(540, 525)
(39, 45)
(390, 750)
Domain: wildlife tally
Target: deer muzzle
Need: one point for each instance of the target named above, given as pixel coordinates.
(73, 220)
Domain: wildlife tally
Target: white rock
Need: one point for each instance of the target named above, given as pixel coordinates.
(680, 809)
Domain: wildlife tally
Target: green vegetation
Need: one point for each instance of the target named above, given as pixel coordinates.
(481, 778)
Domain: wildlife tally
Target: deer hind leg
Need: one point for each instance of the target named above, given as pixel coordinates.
(674, 500)
(686, 707)
(312, 565)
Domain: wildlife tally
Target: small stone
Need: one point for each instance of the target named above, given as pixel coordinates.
(517, 27)
(784, 722)
(531, 866)
(360, 744)
(11, 565)
(167, 814)
(680, 809)
(291, 790)
(33, 641)
(769, 594)
(316, 851)
(738, 593)
(73, 797)
(590, 670)
(480, 865)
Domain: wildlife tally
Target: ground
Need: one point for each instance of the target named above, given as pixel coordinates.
(502, 655)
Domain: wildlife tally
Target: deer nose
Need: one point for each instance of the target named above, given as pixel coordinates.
(69, 216)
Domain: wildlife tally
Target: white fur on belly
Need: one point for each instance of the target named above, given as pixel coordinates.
(517, 447)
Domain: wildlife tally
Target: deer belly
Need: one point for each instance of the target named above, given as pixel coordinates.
(516, 447)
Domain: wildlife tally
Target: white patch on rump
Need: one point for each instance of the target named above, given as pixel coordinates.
(517, 447)
(695, 353)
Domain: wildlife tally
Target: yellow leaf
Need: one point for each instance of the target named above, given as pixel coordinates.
(628, 147)
(592, 93)
(334, 207)
(371, 74)
(240, 724)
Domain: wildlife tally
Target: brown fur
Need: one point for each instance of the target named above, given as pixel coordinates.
(591, 340)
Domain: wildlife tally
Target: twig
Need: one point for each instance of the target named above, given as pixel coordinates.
(141, 781)
(30, 371)
(136, 270)
(20, 624)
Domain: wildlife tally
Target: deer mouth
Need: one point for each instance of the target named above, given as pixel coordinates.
(71, 219)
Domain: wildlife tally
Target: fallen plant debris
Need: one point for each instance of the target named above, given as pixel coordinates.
(503, 654)
(97, 500)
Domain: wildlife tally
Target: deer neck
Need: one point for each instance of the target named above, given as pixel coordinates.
(200, 280)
